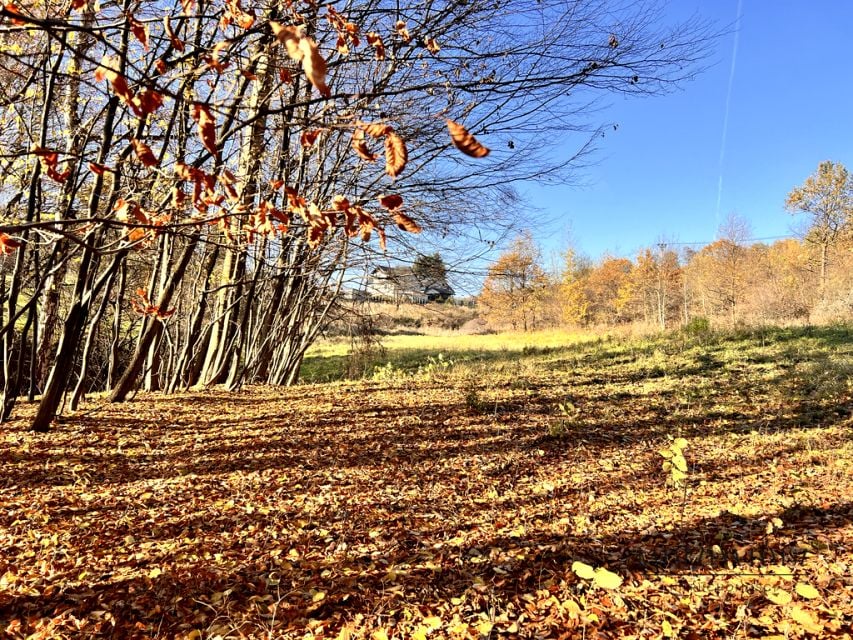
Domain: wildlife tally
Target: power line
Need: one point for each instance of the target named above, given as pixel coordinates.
(705, 242)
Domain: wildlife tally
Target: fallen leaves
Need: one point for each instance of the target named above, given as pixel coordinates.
(806, 591)
(280, 511)
(600, 577)
(806, 620)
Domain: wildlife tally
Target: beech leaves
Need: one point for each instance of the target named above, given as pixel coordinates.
(465, 142)
(143, 96)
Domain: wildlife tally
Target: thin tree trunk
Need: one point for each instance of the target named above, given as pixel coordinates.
(152, 328)
(77, 395)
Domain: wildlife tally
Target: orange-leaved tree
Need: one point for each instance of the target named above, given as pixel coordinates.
(827, 198)
(515, 288)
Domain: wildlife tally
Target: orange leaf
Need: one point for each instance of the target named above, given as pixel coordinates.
(342, 46)
(8, 244)
(359, 145)
(235, 13)
(405, 222)
(391, 201)
(377, 129)
(12, 9)
(98, 169)
(289, 36)
(144, 153)
(315, 236)
(49, 160)
(146, 101)
(285, 76)
(139, 30)
(308, 138)
(177, 43)
(375, 41)
(396, 154)
(106, 72)
(314, 66)
(403, 31)
(179, 197)
(206, 127)
(465, 142)
(431, 45)
(213, 60)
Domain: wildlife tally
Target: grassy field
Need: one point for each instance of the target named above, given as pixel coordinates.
(516, 488)
(327, 360)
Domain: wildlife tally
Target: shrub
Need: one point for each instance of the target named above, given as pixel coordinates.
(698, 327)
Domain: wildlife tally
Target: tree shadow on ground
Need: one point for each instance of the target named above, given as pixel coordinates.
(350, 584)
(211, 435)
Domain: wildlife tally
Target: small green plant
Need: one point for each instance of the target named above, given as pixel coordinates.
(567, 419)
(472, 398)
(436, 367)
(698, 327)
(557, 429)
(387, 373)
(675, 464)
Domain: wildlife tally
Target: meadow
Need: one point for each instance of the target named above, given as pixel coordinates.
(519, 486)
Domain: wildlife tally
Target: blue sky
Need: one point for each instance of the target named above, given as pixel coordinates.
(791, 106)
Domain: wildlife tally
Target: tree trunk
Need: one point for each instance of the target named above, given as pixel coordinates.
(153, 327)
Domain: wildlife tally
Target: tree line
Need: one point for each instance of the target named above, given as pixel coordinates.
(728, 281)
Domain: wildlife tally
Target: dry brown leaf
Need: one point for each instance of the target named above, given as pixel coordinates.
(405, 222)
(403, 31)
(144, 153)
(375, 41)
(139, 30)
(308, 138)
(314, 66)
(289, 36)
(8, 244)
(176, 42)
(376, 129)
(206, 127)
(391, 201)
(359, 145)
(431, 45)
(465, 142)
(396, 154)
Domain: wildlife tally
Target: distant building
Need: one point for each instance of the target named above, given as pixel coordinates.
(402, 284)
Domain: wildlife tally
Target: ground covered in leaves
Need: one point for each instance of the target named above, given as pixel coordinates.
(496, 495)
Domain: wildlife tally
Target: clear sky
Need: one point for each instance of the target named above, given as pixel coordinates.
(791, 106)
